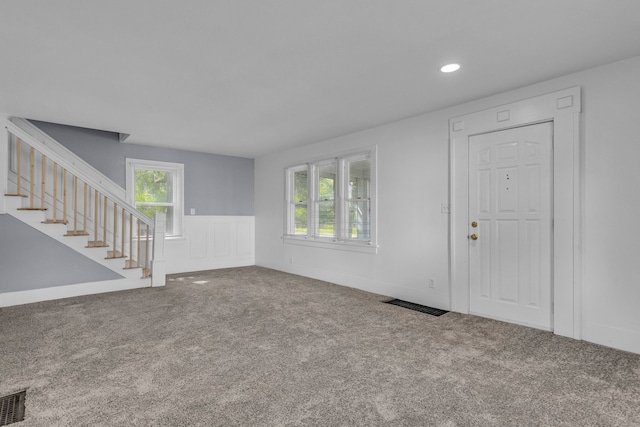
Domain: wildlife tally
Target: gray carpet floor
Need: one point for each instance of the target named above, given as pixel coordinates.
(257, 347)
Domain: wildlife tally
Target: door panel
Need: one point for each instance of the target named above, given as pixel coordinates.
(510, 200)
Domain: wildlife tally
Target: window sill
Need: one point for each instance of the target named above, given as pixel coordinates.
(330, 244)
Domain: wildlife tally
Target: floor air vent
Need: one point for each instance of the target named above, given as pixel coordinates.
(12, 408)
(417, 307)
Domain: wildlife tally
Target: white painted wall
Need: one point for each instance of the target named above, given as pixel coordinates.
(210, 242)
(413, 182)
(412, 233)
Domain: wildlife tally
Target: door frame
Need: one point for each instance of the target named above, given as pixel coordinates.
(563, 109)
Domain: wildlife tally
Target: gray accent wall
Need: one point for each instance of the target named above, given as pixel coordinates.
(29, 259)
(214, 184)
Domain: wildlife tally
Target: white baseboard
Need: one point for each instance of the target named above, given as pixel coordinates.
(8, 299)
(365, 284)
(621, 339)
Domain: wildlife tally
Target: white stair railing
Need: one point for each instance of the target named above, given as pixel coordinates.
(72, 192)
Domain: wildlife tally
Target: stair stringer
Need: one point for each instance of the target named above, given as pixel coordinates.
(131, 277)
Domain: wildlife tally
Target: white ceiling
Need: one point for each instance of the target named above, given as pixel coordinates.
(250, 77)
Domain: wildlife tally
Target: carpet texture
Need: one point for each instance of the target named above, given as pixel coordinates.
(257, 347)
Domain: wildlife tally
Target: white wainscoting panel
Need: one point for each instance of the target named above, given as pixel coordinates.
(221, 239)
(210, 242)
(245, 239)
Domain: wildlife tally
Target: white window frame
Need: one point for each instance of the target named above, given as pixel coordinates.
(341, 239)
(177, 171)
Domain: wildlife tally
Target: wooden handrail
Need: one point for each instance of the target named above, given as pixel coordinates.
(45, 144)
(100, 205)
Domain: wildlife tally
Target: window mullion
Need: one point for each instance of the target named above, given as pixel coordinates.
(290, 200)
(339, 200)
(313, 201)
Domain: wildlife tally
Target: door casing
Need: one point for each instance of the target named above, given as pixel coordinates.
(563, 108)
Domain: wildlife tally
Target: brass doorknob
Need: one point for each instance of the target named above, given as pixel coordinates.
(474, 237)
(474, 224)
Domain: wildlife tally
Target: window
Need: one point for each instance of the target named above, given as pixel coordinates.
(358, 198)
(157, 187)
(332, 201)
(300, 200)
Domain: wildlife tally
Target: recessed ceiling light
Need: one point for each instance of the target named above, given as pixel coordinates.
(450, 68)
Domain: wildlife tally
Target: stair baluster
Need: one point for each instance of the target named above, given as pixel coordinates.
(64, 195)
(42, 179)
(96, 223)
(55, 219)
(104, 223)
(18, 192)
(123, 234)
(133, 259)
(32, 167)
(114, 253)
(131, 263)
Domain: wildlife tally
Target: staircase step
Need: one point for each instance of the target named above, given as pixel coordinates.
(57, 221)
(74, 233)
(96, 244)
(114, 255)
(58, 231)
(128, 265)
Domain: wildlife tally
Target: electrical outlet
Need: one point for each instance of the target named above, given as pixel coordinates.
(193, 211)
(291, 260)
(432, 284)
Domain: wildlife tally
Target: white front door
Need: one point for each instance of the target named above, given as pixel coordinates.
(510, 225)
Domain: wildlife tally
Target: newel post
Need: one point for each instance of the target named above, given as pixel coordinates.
(158, 263)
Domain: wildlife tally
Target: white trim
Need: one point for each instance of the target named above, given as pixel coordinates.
(342, 245)
(177, 169)
(622, 339)
(563, 109)
(9, 299)
(339, 241)
(56, 152)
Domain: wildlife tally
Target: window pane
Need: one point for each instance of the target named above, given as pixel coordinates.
(300, 218)
(154, 186)
(326, 199)
(150, 211)
(326, 218)
(359, 179)
(359, 220)
(326, 182)
(300, 186)
(359, 205)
